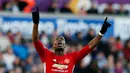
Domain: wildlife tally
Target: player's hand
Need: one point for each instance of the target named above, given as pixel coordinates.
(105, 26)
(35, 15)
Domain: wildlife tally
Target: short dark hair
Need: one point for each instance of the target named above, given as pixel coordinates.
(59, 37)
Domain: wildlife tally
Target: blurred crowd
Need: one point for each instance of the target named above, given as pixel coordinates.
(18, 55)
(80, 7)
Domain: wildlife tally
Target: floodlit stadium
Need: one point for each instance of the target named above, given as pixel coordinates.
(74, 36)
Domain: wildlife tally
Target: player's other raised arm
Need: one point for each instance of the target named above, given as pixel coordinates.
(103, 30)
(87, 49)
(37, 43)
(35, 18)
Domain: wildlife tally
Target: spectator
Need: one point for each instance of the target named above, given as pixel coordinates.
(2, 69)
(112, 45)
(10, 35)
(34, 69)
(79, 38)
(40, 68)
(93, 9)
(84, 4)
(119, 67)
(111, 41)
(53, 7)
(11, 71)
(68, 38)
(109, 9)
(44, 39)
(17, 62)
(78, 68)
(28, 64)
(9, 58)
(19, 48)
(82, 12)
(127, 50)
(31, 49)
(4, 42)
(111, 66)
(2, 64)
(6, 6)
(65, 9)
(90, 35)
(93, 67)
(118, 44)
(18, 70)
(121, 11)
(101, 60)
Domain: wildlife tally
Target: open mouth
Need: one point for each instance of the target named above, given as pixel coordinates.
(60, 45)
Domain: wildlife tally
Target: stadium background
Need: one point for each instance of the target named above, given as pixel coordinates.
(78, 21)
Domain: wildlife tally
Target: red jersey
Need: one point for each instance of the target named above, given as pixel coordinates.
(59, 64)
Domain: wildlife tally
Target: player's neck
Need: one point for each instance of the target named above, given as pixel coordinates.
(59, 53)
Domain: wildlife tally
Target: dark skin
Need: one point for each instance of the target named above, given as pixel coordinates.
(59, 42)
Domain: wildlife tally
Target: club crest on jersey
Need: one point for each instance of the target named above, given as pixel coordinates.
(67, 61)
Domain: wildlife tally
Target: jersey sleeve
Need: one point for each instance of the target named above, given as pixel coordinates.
(82, 53)
(42, 51)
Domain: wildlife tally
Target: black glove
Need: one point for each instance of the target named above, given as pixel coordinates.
(105, 26)
(35, 15)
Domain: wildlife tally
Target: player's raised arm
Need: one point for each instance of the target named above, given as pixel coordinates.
(37, 43)
(88, 48)
(103, 30)
(35, 18)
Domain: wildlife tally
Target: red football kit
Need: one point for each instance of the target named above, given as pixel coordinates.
(59, 64)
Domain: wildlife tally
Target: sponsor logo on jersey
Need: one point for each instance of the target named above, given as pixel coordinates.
(59, 66)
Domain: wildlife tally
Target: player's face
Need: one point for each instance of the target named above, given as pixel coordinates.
(59, 43)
